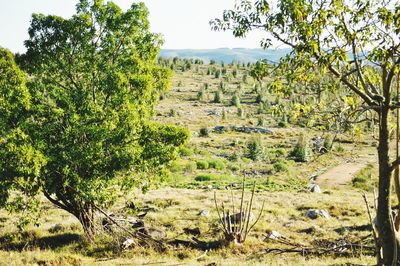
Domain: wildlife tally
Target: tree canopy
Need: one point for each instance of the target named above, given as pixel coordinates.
(92, 91)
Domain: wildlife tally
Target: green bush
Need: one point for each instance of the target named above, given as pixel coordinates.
(202, 164)
(281, 165)
(255, 149)
(203, 177)
(216, 164)
(204, 132)
(280, 152)
(328, 142)
(184, 151)
(301, 152)
(175, 166)
(240, 112)
(233, 167)
(235, 101)
(260, 121)
(190, 167)
(282, 124)
(218, 97)
(363, 178)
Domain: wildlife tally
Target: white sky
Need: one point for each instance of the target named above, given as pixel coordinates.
(183, 23)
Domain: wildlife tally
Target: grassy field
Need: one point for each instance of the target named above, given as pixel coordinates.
(214, 161)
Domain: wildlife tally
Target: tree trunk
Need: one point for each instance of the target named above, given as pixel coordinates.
(86, 218)
(386, 231)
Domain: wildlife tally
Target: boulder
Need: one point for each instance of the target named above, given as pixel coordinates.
(204, 213)
(314, 214)
(314, 188)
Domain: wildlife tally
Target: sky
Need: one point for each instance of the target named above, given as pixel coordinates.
(184, 24)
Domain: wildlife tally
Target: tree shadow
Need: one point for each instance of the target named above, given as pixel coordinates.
(46, 242)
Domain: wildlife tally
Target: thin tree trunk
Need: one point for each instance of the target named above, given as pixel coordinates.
(384, 219)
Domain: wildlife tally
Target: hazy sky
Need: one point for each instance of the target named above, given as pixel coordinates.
(183, 23)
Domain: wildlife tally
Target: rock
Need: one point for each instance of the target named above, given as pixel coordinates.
(127, 243)
(273, 235)
(204, 213)
(235, 218)
(314, 188)
(219, 129)
(252, 130)
(156, 234)
(314, 214)
(135, 222)
(214, 112)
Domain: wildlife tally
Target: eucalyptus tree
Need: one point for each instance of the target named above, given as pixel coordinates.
(93, 87)
(357, 41)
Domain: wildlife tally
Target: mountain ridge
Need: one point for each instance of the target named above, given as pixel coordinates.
(227, 55)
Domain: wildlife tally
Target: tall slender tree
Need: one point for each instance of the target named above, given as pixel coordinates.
(357, 41)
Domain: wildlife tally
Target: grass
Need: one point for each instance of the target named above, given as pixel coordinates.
(215, 162)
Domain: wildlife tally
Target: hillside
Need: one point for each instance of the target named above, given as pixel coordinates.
(226, 54)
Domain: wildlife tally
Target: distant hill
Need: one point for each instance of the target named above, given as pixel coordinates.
(226, 54)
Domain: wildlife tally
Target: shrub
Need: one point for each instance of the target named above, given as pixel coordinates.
(223, 114)
(172, 112)
(280, 152)
(281, 165)
(218, 97)
(282, 123)
(260, 121)
(235, 101)
(216, 164)
(175, 167)
(190, 167)
(184, 151)
(233, 167)
(201, 95)
(204, 132)
(240, 112)
(217, 74)
(301, 152)
(202, 164)
(328, 142)
(203, 177)
(255, 149)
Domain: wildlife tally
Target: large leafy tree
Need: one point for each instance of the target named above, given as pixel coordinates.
(93, 87)
(357, 41)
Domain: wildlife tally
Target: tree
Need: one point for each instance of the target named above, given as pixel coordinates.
(358, 43)
(20, 162)
(94, 84)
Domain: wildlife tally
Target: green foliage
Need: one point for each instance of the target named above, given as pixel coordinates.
(20, 161)
(202, 164)
(204, 132)
(281, 165)
(240, 112)
(218, 96)
(185, 151)
(255, 149)
(89, 133)
(201, 95)
(233, 167)
(235, 101)
(301, 152)
(328, 142)
(260, 121)
(364, 178)
(203, 177)
(216, 164)
(190, 167)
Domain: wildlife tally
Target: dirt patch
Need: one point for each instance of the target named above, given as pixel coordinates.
(343, 173)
